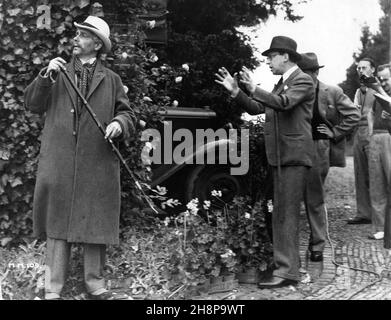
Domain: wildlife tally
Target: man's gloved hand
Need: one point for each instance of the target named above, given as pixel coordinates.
(113, 130)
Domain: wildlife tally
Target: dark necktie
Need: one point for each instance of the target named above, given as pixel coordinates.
(279, 83)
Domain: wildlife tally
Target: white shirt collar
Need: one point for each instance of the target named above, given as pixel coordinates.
(287, 73)
(90, 61)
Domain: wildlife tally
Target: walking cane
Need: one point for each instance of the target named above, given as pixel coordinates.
(113, 147)
(277, 141)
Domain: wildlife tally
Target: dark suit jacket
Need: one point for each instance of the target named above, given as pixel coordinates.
(341, 115)
(292, 101)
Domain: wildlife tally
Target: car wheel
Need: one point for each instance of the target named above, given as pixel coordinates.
(204, 179)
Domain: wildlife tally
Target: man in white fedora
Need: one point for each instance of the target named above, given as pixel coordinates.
(77, 192)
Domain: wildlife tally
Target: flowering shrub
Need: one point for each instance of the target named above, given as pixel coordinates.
(159, 257)
(180, 252)
(248, 234)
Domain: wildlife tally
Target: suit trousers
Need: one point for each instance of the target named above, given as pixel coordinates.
(380, 178)
(288, 195)
(57, 261)
(361, 172)
(314, 195)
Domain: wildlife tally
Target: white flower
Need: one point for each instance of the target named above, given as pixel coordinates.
(154, 58)
(166, 221)
(193, 206)
(216, 193)
(163, 68)
(147, 99)
(178, 79)
(170, 202)
(124, 55)
(161, 190)
(228, 253)
(151, 24)
(126, 89)
(186, 67)
(247, 215)
(270, 206)
(206, 205)
(175, 103)
(142, 123)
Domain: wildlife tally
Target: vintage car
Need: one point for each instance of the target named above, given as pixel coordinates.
(197, 180)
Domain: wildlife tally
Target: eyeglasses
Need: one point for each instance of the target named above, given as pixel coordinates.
(272, 55)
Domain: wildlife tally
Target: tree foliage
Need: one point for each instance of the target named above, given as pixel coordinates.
(203, 34)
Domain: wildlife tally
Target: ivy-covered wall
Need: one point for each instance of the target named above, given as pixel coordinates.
(33, 32)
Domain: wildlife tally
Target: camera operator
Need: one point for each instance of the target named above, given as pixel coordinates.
(380, 154)
(364, 99)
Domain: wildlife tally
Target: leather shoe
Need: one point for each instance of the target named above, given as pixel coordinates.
(276, 282)
(357, 220)
(316, 256)
(377, 236)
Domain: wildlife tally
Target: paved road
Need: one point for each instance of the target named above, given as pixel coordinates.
(352, 248)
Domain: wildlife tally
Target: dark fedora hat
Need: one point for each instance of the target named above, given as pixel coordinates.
(284, 44)
(309, 61)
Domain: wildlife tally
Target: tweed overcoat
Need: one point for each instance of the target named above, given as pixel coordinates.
(340, 113)
(77, 193)
(293, 101)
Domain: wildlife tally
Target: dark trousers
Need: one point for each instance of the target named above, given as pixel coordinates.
(314, 196)
(57, 260)
(288, 195)
(361, 172)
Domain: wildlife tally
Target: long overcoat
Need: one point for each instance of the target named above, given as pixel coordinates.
(77, 192)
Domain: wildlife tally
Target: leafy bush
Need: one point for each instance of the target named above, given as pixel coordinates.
(249, 238)
(22, 271)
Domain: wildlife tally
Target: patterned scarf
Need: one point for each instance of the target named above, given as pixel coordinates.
(84, 73)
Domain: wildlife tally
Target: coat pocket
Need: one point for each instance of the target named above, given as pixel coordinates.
(292, 148)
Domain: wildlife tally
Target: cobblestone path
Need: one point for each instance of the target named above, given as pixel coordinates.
(352, 248)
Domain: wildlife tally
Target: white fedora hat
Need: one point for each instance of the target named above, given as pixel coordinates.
(99, 27)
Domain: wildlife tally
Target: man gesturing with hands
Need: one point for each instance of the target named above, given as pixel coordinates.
(289, 146)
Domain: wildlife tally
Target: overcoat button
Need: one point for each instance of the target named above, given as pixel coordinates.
(74, 133)
(72, 110)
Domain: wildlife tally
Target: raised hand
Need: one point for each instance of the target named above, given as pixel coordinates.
(225, 79)
(55, 65)
(247, 80)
